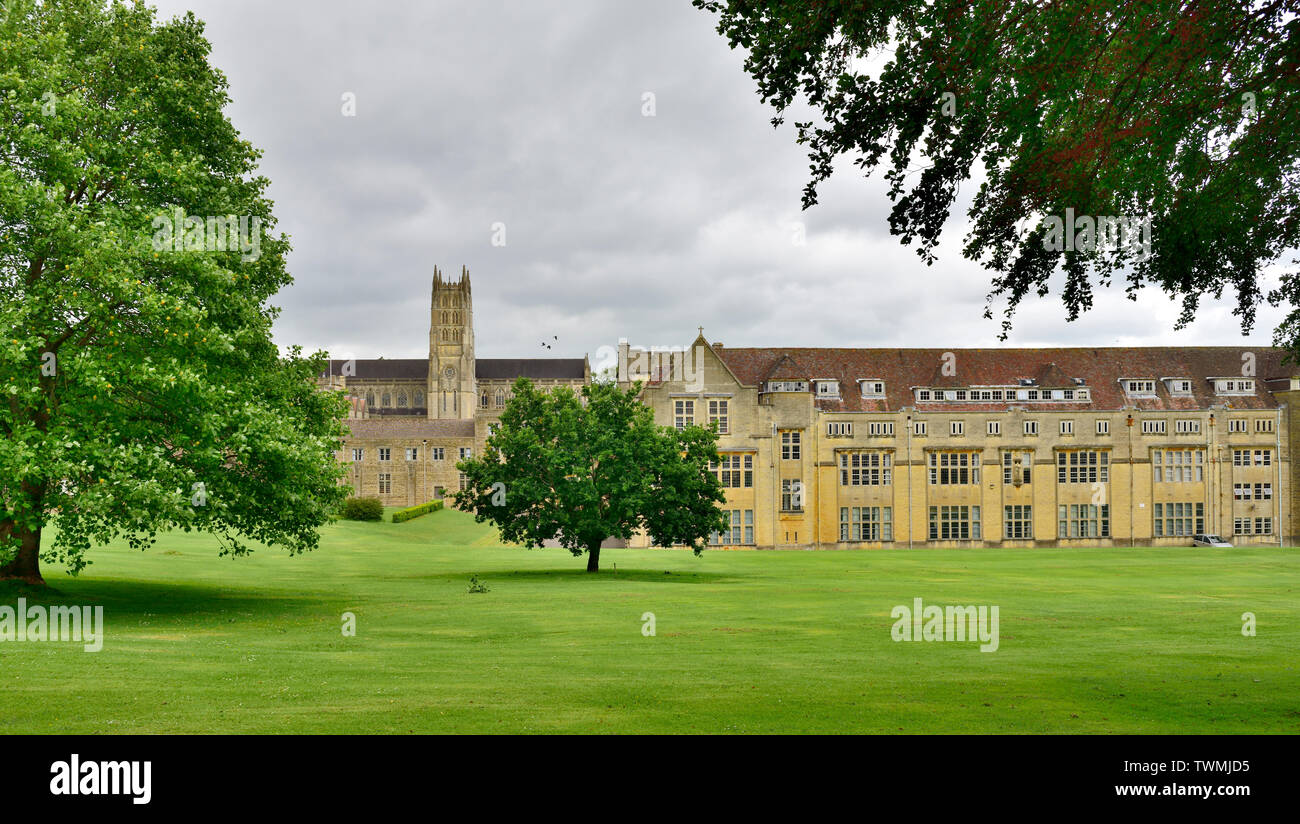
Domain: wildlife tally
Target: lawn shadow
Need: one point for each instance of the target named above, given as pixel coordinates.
(121, 597)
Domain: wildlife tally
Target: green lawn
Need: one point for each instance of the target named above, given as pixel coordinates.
(1107, 640)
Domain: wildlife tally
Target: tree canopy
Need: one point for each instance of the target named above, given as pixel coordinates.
(141, 388)
(1179, 115)
(581, 468)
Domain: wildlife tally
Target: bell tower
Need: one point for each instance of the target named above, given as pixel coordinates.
(452, 382)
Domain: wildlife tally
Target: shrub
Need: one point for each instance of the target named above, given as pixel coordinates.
(416, 511)
(363, 509)
(475, 585)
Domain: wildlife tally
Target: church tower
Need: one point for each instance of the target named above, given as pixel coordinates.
(451, 348)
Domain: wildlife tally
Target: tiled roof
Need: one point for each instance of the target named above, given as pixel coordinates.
(485, 368)
(1100, 369)
(385, 369)
(410, 427)
(537, 368)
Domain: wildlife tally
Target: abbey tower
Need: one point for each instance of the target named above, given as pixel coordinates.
(451, 388)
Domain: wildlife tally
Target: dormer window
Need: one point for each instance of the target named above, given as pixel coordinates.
(872, 388)
(787, 386)
(1234, 386)
(827, 388)
(1139, 388)
(1178, 386)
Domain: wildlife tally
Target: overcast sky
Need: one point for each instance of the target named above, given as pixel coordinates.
(530, 114)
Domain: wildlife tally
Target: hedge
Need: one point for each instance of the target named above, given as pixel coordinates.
(416, 511)
(363, 509)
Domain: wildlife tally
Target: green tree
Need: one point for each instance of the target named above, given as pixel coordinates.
(140, 387)
(583, 468)
(1180, 112)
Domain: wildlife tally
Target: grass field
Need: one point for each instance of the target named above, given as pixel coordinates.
(1103, 640)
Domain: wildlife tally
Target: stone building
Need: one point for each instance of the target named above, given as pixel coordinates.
(862, 448)
(411, 420)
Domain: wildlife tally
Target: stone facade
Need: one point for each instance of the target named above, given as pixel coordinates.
(839, 448)
(410, 421)
(867, 448)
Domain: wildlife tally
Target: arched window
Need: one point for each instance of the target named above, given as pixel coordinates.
(483, 401)
(501, 398)
(386, 400)
(401, 399)
(419, 399)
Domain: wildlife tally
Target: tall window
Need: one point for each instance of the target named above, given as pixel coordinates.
(736, 470)
(683, 414)
(401, 399)
(1017, 468)
(791, 495)
(718, 414)
(385, 483)
(865, 468)
(866, 523)
(1017, 522)
(740, 532)
(954, 523)
(1179, 519)
(790, 445)
(949, 468)
(386, 400)
(464, 481)
(1082, 466)
(501, 399)
(1083, 521)
(1178, 465)
(419, 399)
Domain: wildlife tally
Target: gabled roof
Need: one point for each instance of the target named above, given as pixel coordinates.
(784, 368)
(1100, 368)
(1052, 376)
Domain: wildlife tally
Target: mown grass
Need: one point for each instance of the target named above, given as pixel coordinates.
(1091, 641)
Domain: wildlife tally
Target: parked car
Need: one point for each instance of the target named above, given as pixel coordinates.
(1209, 540)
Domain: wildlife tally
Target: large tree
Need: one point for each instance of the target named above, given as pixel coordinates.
(1180, 112)
(141, 388)
(583, 468)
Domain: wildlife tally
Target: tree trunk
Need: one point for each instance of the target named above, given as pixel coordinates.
(593, 558)
(26, 564)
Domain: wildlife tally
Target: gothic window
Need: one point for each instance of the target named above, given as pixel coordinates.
(401, 399)
(419, 399)
(483, 401)
(370, 399)
(501, 398)
(386, 400)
